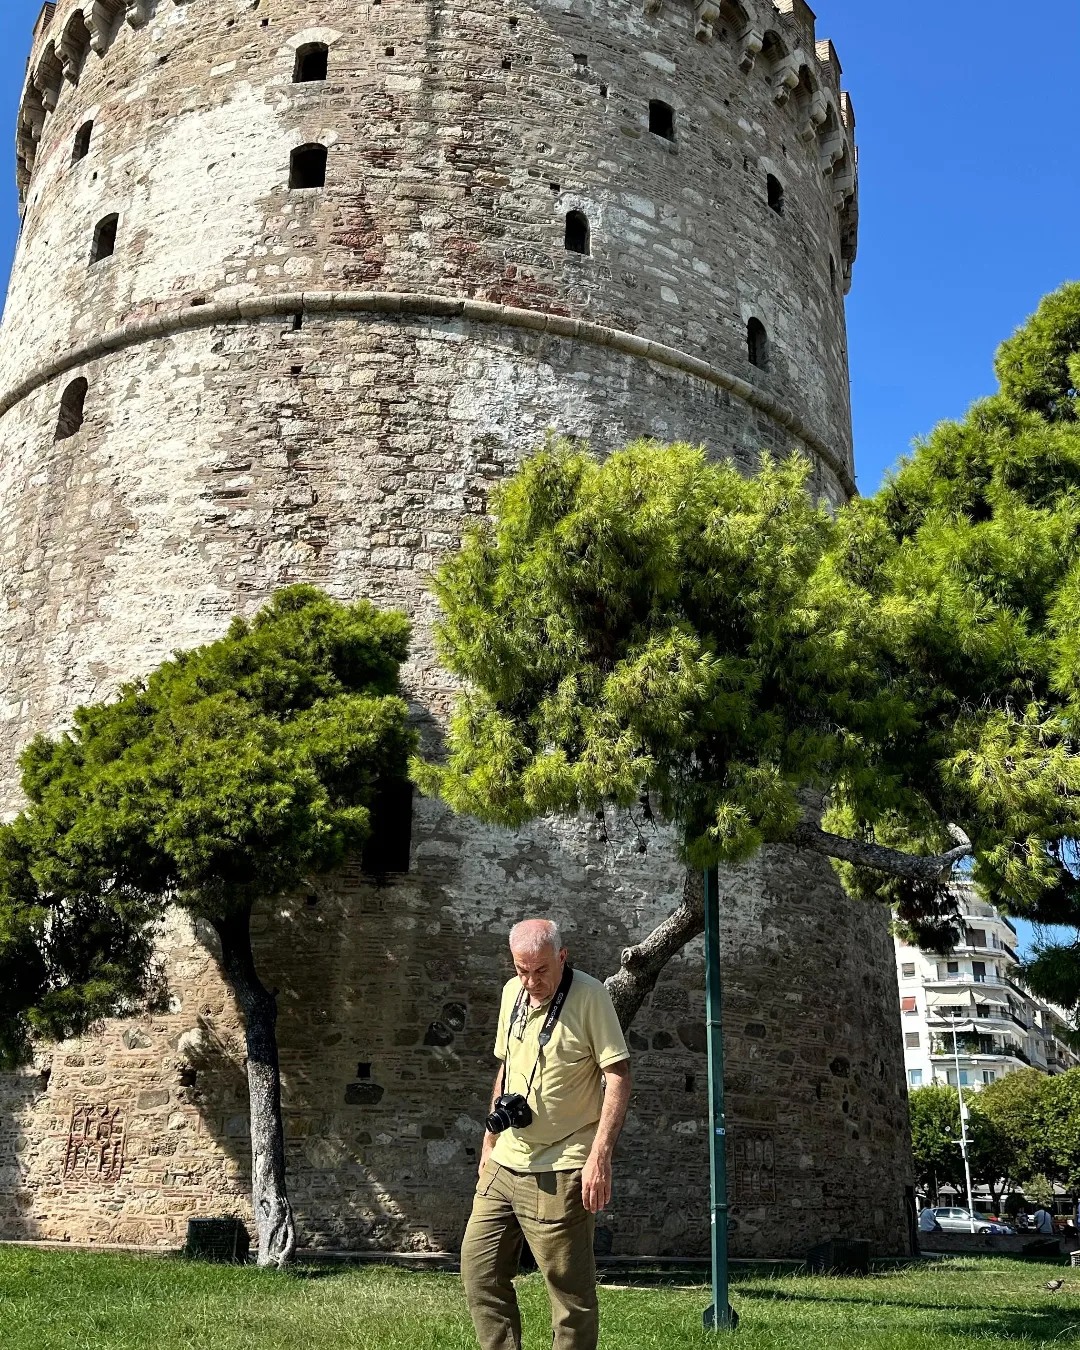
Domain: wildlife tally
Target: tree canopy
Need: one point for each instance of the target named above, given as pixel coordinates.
(232, 773)
(1023, 1129)
(658, 627)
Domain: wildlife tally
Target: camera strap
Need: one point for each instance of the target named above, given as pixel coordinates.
(555, 1008)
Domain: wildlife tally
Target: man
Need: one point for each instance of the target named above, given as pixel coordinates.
(928, 1221)
(545, 1172)
(1043, 1222)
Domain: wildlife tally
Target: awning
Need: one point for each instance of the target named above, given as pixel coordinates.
(967, 997)
(984, 1026)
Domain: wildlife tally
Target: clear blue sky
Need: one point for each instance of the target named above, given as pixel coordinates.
(967, 129)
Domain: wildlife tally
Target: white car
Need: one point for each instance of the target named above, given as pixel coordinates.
(959, 1221)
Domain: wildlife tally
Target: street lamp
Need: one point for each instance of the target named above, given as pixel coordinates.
(962, 1141)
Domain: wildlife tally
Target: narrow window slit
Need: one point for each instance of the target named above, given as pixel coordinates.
(307, 167)
(577, 232)
(104, 245)
(81, 147)
(662, 119)
(312, 63)
(757, 344)
(72, 404)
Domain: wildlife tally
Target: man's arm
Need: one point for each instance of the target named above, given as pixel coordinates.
(596, 1178)
(489, 1138)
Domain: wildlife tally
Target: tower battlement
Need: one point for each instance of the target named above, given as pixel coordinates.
(776, 37)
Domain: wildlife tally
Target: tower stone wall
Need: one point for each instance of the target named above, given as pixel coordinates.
(322, 384)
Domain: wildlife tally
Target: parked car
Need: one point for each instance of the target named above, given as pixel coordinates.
(957, 1220)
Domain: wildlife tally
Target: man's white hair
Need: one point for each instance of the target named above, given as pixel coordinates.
(532, 937)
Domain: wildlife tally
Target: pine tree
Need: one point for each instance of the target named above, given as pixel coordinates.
(233, 773)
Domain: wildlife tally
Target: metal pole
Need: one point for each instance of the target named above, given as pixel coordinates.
(963, 1128)
(719, 1315)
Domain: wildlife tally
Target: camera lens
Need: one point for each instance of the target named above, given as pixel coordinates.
(498, 1121)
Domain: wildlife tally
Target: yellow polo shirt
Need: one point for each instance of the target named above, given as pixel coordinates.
(567, 1093)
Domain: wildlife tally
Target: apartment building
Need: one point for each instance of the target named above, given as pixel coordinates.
(972, 993)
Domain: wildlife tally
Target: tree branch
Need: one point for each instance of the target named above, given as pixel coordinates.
(929, 868)
(636, 977)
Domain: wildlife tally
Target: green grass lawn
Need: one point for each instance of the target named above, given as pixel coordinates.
(81, 1301)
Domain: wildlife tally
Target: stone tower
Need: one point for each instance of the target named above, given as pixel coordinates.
(298, 281)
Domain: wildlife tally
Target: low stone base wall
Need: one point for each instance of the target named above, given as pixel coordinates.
(990, 1242)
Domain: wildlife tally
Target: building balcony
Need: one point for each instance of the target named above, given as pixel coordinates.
(945, 981)
(977, 1054)
(1003, 1021)
(1001, 950)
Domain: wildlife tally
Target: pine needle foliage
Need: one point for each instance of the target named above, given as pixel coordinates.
(228, 775)
(660, 627)
(642, 625)
(974, 543)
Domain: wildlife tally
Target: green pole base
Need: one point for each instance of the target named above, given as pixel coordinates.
(726, 1323)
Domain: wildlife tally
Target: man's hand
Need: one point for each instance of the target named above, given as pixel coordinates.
(596, 1176)
(596, 1182)
(485, 1151)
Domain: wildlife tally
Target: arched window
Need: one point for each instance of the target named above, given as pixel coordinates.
(312, 63)
(757, 344)
(72, 402)
(307, 167)
(577, 232)
(775, 190)
(662, 119)
(81, 147)
(832, 271)
(104, 245)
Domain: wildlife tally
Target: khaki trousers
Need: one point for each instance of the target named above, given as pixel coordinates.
(545, 1207)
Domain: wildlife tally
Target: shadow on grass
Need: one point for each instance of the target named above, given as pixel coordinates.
(1008, 1322)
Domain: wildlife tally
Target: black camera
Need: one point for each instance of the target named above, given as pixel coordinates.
(511, 1111)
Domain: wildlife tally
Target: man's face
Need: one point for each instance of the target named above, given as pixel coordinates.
(540, 973)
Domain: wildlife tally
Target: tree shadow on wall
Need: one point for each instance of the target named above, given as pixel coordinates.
(20, 1095)
(387, 1004)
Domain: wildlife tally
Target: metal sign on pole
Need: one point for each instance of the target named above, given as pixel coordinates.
(720, 1315)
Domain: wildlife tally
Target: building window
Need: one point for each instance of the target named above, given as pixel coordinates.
(389, 844)
(775, 190)
(914, 1077)
(952, 967)
(757, 344)
(104, 245)
(312, 63)
(72, 402)
(577, 232)
(988, 1075)
(907, 1004)
(911, 1040)
(662, 119)
(907, 970)
(976, 937)
(307, 167)
(832, 273)
(81, 147)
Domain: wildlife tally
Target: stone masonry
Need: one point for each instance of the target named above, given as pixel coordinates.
(213, 383)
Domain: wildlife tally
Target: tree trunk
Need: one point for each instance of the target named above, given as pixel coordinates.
(636, 977)
(273, 1213)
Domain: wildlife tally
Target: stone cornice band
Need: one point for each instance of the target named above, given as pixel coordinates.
(425, 306)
